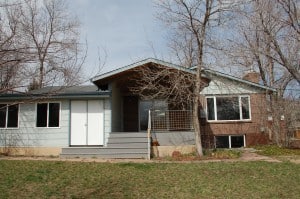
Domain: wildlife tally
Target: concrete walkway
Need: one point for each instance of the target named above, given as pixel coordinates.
(250, 154)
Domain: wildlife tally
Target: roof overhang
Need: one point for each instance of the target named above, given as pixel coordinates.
(57, 92)
(131, 67)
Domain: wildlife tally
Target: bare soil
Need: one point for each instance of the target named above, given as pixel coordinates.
(248, 155)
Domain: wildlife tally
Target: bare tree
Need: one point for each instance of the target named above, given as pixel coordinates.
(267, 40)
(10, 57)
(46, 36)
(39, 46)
(191, 24)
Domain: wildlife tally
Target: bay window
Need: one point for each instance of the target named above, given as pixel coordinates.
(228, 108)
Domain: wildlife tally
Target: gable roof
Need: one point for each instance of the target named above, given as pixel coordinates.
(140, 63)
(206, 72)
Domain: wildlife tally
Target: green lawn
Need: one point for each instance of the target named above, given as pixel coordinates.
(51, 179)
(273, 150)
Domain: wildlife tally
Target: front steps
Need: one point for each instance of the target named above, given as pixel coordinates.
(130, 145)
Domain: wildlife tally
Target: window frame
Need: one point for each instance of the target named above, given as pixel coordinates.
(59, 114)
(228, 96)
(229, 140)
(6, 116)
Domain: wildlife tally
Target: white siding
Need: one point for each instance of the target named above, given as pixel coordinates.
(222, 86)
(29, 135)
(107, 120)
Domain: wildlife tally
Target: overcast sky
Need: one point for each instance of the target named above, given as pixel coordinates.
(125, 28)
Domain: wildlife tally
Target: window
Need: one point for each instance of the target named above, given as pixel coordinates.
(230, 141)
(47, 114)
(158, 108)
(9, 116)
(228, 108)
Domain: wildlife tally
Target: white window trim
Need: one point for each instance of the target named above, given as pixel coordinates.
(240, 108)
(6, 117)
(47, 127)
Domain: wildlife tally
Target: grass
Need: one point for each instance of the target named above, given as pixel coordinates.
(274, 150)
(208, 154)
(51, 179)
(223, 154)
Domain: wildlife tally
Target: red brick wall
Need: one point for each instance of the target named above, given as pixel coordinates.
(255, 130)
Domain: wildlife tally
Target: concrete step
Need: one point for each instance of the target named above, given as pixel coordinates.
(128, 145)
(108, 156)
(106, 150)
(119, 145)
(127, 140)
(127, 134)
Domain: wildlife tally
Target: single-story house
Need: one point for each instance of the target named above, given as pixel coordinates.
(109, 120)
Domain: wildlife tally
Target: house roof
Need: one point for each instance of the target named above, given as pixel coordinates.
(58, 92)
(206, 72)
(140, 63)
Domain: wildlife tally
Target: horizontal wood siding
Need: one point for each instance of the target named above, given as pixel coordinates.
(29, 135)
(222, 86)
(107, 120)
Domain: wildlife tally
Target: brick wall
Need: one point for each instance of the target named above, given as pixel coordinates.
(256, 130)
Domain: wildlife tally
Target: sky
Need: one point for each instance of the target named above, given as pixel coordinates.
(127, 30)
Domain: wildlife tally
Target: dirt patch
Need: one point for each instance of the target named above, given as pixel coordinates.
(248, 154)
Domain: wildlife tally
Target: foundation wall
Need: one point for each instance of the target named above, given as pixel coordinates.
(31, 151)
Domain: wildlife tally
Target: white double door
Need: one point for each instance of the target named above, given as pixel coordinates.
(87, 122)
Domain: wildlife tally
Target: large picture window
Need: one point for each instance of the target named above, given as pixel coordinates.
(9, 116)
(228, 108)
(47, 114)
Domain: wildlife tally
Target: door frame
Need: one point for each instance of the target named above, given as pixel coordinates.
(85, 115)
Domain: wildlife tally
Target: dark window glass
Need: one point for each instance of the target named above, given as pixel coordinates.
(3, 108)
(158, 108)
(53, 114)
(12, 117)
(210, 109)
(41, 120)
(237, 141)
(228, 108)
(245, 108)
(145, 106)
(222, 142)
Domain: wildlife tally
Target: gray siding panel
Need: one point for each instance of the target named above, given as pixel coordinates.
(29, 135)
(222, 86)
(107, 120)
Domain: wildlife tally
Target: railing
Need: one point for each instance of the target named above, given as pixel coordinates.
(171, 120)
(168, 120)
(149, 135)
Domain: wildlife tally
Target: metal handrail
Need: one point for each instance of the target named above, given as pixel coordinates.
(149, 134)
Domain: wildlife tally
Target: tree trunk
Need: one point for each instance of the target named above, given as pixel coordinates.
(197, 127)
(196, 112)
